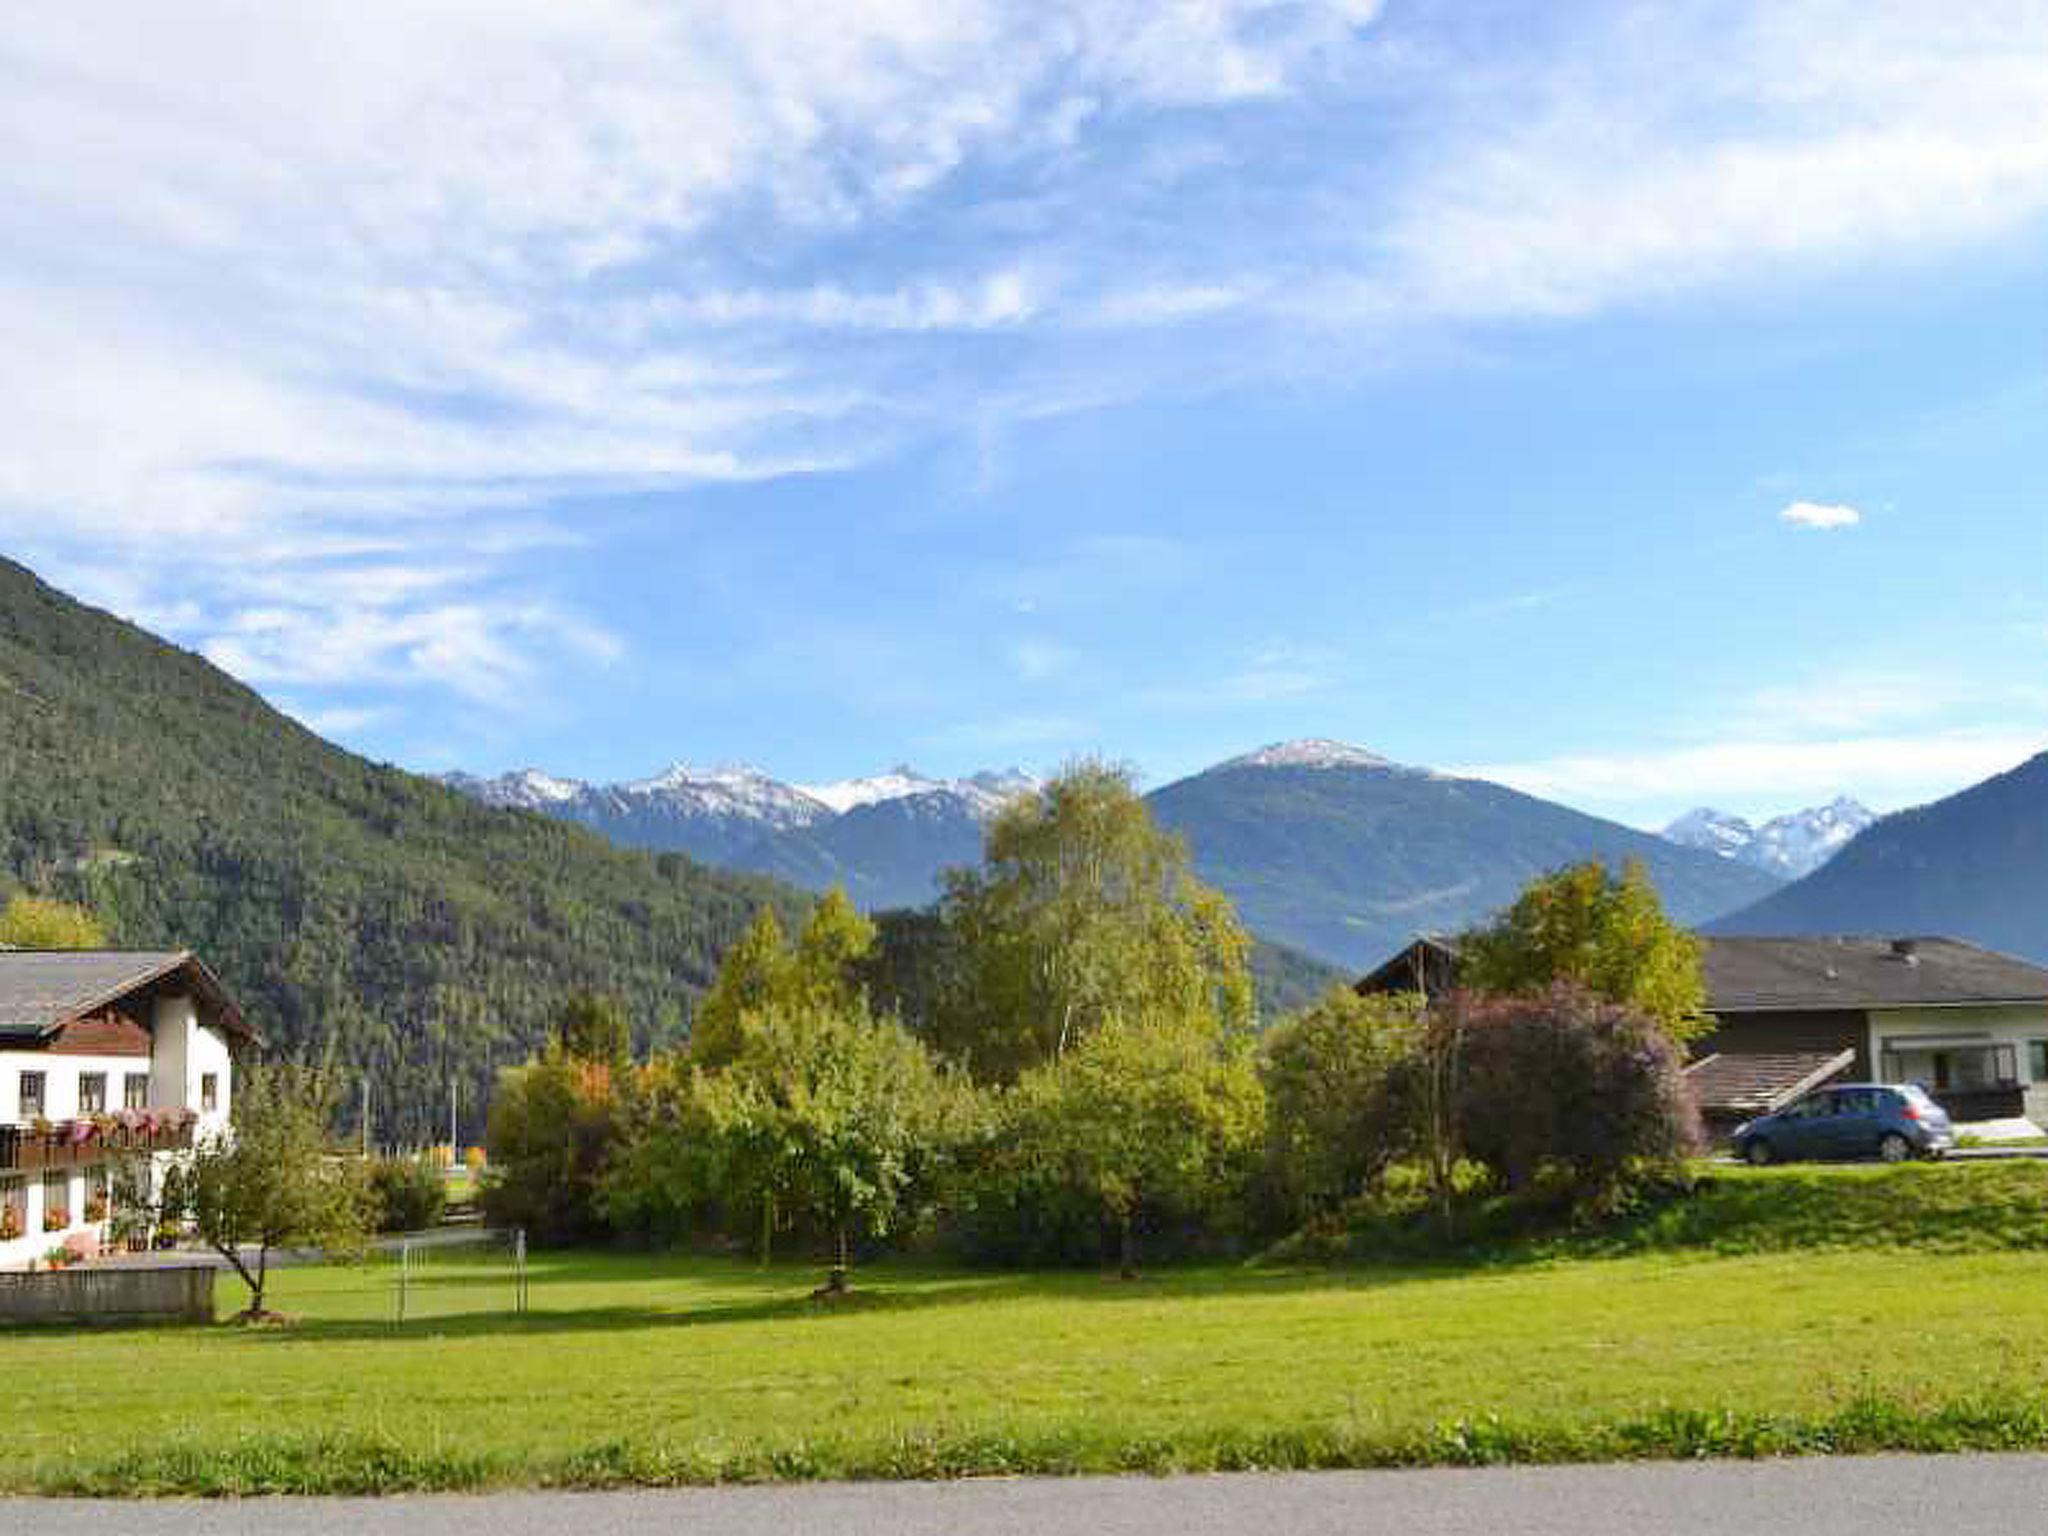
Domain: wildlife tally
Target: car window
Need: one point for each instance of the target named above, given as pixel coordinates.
(1857, 1101)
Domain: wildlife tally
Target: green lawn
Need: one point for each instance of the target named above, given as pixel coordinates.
(647, 1369)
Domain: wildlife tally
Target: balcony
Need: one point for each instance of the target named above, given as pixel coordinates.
(47, 1144)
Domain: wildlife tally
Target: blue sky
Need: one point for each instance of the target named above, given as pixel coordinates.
(1640, 404)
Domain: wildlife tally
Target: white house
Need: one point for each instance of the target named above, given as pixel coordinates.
(109, 1060)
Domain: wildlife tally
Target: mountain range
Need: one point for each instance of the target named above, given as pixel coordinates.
(1324, 846)
(1791, 846)
(884, 838)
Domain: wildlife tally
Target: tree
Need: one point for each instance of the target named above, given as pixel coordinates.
(409, 1194)
(550, 1130)
(1084, 910)
(1144, 1117)
(764, 972)
(1337, 1114)
(1608, 935)
(826, 1114)
(271, 1182)
(38, 922)
(1572, 1083)
(593, 1027)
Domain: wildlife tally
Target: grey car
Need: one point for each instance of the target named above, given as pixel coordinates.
(1892, 1123)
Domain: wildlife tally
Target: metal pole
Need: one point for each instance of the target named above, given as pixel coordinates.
(404, 1276)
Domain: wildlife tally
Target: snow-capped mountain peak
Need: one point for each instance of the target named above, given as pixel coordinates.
(1791, 846)
(843, 795)
(1310, 752)
(983, 793)
(524, 789)
(1712, 831)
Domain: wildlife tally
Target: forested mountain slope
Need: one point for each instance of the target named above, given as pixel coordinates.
(1348, 857)
(419, 936)
(1973, 866)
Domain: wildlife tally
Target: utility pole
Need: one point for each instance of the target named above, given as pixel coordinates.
(366, 1114)
(452, 1085)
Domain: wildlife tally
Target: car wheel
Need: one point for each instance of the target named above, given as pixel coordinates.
(1758, 1153)
(1894, 1148)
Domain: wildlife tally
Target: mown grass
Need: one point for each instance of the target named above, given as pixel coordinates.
(642, 1370)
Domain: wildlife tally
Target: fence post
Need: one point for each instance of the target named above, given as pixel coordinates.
(404, 1277)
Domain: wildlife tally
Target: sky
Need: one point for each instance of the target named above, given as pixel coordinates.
(1641, 404)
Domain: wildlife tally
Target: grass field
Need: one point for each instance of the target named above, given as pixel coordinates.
(638, 1369)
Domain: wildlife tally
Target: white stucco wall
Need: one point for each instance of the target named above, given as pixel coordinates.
(60, 1081)
(183, 1053)
(2016, 1026)
(34, 1242)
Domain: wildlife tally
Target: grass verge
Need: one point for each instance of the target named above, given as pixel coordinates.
(1792, 1313)
(258, 1465)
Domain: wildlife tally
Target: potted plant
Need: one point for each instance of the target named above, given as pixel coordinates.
(10, 1224)
(96, 1208)
(56, 1219)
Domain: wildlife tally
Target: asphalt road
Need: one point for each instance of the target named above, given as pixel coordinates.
(1961, 1496)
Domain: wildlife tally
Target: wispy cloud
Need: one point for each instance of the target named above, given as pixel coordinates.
(1890, 770)
(1823, 517)
(446, 270)
(1277, 673)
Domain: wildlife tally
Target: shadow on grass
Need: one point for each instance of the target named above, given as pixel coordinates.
(784, 1295)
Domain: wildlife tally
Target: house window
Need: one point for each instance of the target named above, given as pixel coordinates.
(31, 1095)
(2037, 1061)
(92, 1093)
(56, 1201)
(135, 1091)
(209, 1091)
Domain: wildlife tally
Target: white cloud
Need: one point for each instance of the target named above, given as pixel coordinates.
(337, 721)
(1037, 661)
(1277, 673)
(1823, 516)
(1889, 770)
(406, 275)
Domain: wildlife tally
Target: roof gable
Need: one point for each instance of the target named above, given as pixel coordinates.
(43, 990)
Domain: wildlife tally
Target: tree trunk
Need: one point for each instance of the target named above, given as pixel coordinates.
(262, 1279)
(767, 1228)
(1127, 1248)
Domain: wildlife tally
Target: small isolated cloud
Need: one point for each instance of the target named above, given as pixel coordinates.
(1037, 661)
(1825, 517)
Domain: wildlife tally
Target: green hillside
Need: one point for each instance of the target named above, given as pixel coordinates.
(419, 936)
(1349, 863)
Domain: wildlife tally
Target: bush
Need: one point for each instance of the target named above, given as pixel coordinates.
(410, 1194)
(1568, 1089)
(1144, 1126)
(1336, 1115)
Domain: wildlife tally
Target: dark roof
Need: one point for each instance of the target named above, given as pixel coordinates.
(1750, 1085)
(1427, 964)
(1785, 975)
(43, 990)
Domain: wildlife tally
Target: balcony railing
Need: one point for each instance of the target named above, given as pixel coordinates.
(94, 1138)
